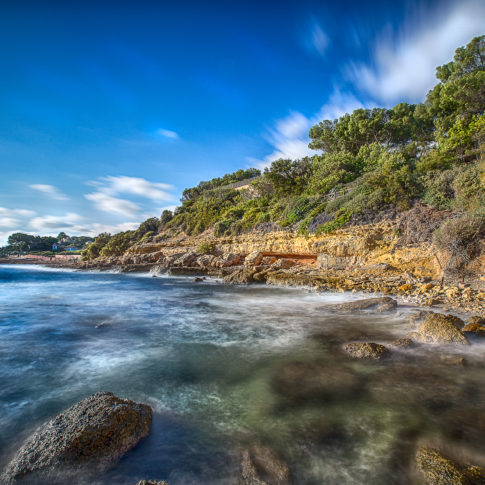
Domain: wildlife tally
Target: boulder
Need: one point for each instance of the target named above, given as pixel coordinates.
(367, 350)
(241, 276)
(152, 482)
(476, 320)
(382, 304)
(96, 431)
(440, 470)
(298, 382)
(253, 259)
(474, 330)
(441, 329)
(404, 343)
(260, 465)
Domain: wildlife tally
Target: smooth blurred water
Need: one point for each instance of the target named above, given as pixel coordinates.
(204, 356)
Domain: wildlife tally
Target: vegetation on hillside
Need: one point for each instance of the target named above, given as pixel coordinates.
(20, 242)
(366, 162)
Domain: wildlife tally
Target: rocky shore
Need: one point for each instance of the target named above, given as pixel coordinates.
(93, 435)
(370, 258)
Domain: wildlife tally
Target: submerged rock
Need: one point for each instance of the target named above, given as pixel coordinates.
(476, 320)
(96, 431)
(441, 329)
(261, 465)
(474, 330)
(367, 350)
(383, 304)
(404, 343)
(298, 381)
(152, 482)
(440, 470)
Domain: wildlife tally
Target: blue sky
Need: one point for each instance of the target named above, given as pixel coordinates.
(108, 110)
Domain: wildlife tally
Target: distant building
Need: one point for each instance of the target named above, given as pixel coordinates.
(54, 247)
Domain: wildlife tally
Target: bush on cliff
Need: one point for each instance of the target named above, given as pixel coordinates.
(366, 162)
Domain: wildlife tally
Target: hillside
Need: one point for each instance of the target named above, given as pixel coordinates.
(421, 166)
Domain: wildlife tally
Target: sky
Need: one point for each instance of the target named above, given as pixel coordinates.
(109, 109)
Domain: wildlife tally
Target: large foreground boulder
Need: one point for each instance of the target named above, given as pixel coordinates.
(366, 351)
(95, 432)
(378, 305)
(440, 470)
(261, 465)
(440, 329)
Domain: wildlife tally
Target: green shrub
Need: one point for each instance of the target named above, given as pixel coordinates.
(206, 248)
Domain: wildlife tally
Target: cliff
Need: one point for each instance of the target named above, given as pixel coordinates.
(372, 257)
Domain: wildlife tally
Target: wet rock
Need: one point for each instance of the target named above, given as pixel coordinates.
(474, 330)
(261, 465)
(410, 385)
(404, 343)
(382, 304)
(476, 320)
(320, 433)
(466, 424)
(198, 279)
(441, 329)
(96, 431)
(253, 259)
(241, 276)
(367, 350)
(440, 470)
(152, 482)
(453, 359)
(298, 382)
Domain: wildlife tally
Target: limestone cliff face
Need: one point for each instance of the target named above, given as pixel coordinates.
(350, 248)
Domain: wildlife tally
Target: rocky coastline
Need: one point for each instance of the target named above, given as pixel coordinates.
(370, 258)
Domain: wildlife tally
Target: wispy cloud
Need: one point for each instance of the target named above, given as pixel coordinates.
(403, 66)
(13, 217)
(113, 205)
(290, 138)
(49, 190)
(316, 40)
(50, 222)
(4, 212)
(108, 188)
(168, 134)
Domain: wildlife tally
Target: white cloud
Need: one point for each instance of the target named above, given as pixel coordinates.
(290, 135)
(113, 205)
(168, 134)
(137, 186)
(97, 228)
(49, 190)
(315, 39)
(108, 188)
(404, 65)
(4, 212)
(49, 222)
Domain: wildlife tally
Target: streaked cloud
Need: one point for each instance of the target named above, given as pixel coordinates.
(50, 222)
(49, 190)
(403, 64)
(315, 39)
(168, 134)
(109, 188)
(113, 205)
(290, 134)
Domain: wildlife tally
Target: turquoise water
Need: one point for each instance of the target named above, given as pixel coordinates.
(205, 357)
